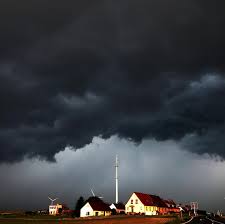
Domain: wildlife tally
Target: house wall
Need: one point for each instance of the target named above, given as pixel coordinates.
(163, 211)
(134, 205)
(174, 210)
(107, 213)
(54, 209)
(86, 210)
(98, 213)
(151, 210)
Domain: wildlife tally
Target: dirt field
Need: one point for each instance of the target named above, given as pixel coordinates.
(114, 220)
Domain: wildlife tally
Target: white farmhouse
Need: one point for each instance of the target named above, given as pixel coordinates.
(95, 207)
(140, 203)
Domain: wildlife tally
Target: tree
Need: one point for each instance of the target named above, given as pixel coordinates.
(80, 203)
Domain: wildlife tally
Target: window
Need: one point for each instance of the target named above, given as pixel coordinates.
(136, 201)
(87, 213)
(131, 202)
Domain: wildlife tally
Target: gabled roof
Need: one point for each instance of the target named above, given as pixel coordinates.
(150, 200)
(119, 205)
(97, 204)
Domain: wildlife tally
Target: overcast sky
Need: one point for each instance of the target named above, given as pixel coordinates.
(82, 81)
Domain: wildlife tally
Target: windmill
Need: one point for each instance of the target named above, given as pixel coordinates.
(52, 200)
(93, 194)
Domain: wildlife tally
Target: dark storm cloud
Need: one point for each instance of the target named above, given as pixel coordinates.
(74, 173)
(70, 71)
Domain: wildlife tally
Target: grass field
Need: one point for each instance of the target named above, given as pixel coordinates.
(108, 220)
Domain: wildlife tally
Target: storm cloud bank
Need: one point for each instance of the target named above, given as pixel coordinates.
(166, 170)
(148, 69)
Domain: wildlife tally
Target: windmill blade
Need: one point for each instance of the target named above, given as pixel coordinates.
(92, 192)
(55, 199)
(49, 198)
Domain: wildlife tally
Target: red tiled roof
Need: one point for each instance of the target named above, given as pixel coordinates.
(170, 202)
(150, 200)
(98, 205)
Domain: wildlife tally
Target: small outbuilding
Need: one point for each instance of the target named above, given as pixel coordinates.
(94, 206)
(119, 208)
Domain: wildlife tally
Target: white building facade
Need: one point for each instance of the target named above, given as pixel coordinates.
(86, 210)
(134, 205)
(54, 209)
(140, 204)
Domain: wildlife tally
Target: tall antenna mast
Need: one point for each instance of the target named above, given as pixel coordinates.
(117, 192)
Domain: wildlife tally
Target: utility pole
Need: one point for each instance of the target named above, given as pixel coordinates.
(194, 206)
(117, 192)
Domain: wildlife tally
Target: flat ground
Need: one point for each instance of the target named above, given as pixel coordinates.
(109, 220)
